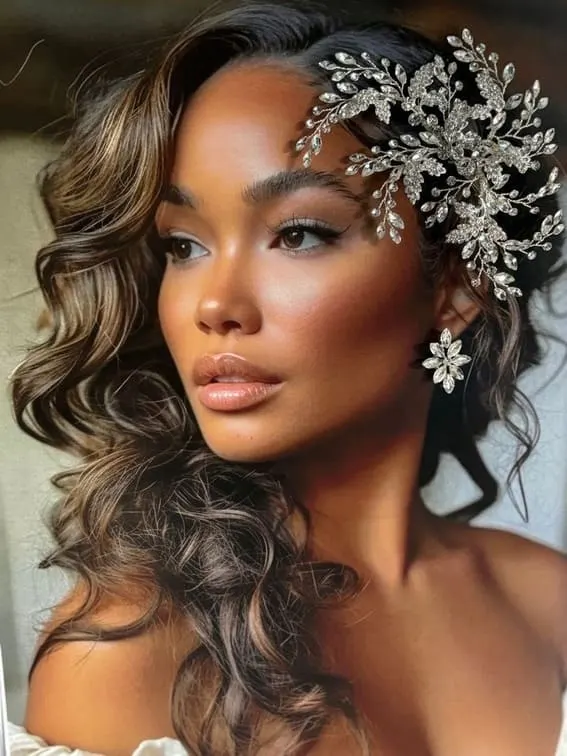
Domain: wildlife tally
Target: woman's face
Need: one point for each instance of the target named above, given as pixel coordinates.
(280, 266)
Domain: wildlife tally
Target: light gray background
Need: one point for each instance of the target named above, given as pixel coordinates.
(25, 466)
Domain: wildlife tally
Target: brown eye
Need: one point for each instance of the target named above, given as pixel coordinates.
(182, 249)
(305, 236)
(293, 237)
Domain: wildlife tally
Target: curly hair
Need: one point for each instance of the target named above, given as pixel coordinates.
(148, 504)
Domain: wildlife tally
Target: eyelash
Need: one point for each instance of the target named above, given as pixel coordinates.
(328, 235)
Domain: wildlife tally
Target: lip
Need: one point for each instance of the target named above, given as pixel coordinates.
(246, 384)
(218, 366)
(230, 397)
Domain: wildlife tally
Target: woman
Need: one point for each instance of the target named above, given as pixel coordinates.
(243, 304)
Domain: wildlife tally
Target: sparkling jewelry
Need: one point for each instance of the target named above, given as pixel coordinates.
(447, 361)
(468, 149)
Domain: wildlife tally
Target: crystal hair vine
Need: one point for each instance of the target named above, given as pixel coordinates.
(448, 140)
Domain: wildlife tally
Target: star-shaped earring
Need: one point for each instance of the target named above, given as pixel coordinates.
(446, 361)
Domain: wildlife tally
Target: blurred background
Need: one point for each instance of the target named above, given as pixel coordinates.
(85, 34)
(69, 40)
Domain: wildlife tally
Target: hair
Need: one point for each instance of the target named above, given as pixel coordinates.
(148, 504)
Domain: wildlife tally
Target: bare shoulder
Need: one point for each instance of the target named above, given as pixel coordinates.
(107, 696)
(533, 577)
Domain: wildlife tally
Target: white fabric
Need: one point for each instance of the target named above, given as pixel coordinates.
(562, 745)
(23, 744)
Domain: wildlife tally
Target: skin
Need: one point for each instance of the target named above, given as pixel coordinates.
(457, 644)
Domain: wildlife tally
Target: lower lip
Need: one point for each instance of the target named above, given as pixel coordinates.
(229, 397)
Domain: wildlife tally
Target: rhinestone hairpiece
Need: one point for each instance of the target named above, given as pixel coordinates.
(448, 136)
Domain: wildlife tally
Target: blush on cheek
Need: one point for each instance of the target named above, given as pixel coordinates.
(373, 308)
(367, 333)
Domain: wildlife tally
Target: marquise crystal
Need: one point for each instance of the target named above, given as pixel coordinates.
(446, 134)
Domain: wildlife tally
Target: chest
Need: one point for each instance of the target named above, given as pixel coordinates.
(440, 678)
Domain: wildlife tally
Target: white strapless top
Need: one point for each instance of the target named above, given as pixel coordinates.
(22, 743)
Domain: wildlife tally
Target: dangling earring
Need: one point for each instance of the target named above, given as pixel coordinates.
(447, 361)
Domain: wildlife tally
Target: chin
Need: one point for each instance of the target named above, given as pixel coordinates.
(241, 438)
(241, 451)
(262, 443)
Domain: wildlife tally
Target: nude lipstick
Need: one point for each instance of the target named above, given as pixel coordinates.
(229, 382)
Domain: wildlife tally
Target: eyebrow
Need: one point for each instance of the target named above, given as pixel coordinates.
(273, 187)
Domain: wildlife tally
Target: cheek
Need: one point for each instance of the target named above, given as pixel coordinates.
(371, 319)
(175, 312)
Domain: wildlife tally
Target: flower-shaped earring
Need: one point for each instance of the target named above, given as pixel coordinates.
(447, 361)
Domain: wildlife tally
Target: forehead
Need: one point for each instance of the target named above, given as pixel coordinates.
(246, 120)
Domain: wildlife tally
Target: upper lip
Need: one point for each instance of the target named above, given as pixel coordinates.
(212, 366)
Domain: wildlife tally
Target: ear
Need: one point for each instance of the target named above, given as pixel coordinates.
(456, 307)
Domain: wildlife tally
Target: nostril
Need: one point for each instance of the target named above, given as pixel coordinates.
(231, 325)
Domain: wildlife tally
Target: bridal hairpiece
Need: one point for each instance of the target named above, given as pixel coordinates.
(468, 149)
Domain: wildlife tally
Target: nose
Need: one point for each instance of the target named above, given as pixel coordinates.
(226, 302)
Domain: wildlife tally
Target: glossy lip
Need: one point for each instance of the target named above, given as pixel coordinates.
(231, 397)
(215, 367)
(250, 385)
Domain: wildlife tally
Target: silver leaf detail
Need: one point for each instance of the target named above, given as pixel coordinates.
(464, 56)
(395, 235)
(347, 88)
(454, 41)
(345, 58)
(508, 73)
(316, 144)
(329, 97)
(396, 220)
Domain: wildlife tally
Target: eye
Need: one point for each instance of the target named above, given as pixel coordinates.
(300, 239)
(182, 249)
(305, 235)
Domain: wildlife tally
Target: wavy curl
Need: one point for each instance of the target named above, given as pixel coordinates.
(149, 504)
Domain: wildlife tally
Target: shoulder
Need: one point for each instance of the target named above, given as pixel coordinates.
(533, 577)
(107, 696)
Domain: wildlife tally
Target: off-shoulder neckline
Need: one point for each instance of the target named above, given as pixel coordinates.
(18, 736)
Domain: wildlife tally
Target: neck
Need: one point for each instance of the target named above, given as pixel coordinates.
(365, 506)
